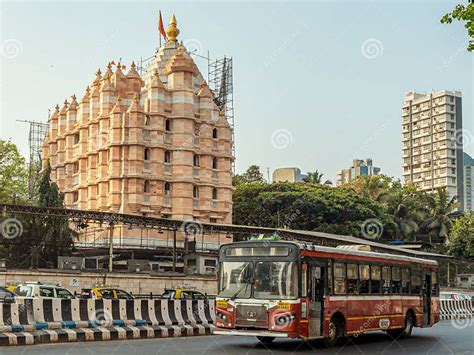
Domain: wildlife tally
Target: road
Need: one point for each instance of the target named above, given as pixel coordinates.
(441, 339)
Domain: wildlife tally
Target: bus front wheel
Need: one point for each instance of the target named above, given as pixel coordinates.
(335, 330)
(266, 340)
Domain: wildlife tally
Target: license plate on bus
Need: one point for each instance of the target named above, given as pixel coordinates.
(284, 306)
(221, 303)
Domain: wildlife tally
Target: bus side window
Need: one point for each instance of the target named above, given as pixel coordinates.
(304, 280)
(434, 283)
(415, 282)
(339, 279)
(352, 278)
(364, 279)
(329, 284)
(396, 280)
(375, 275)
(405, 281)
(386, 280)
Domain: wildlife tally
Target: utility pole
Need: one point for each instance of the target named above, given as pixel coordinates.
(174, 250)
(111, 246)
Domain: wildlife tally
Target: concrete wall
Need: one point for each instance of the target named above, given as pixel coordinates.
(131, 282)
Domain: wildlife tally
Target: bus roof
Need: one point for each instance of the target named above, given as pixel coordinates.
(338, 252)
(368, 254)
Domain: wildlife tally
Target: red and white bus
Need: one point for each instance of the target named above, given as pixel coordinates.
(284, 289)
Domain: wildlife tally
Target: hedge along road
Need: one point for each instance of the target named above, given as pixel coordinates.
(444, 338)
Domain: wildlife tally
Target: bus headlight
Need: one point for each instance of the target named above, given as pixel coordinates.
(222, 317)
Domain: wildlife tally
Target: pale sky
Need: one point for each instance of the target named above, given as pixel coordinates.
(316, 83)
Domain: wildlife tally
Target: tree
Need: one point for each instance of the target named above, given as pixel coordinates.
(462, 237)
(376, 187)
(44, 238)
(405, 205)
(315, 177)
(251, 175)
(439, 223)
(13, 174)
(306, 207)
(463, 13)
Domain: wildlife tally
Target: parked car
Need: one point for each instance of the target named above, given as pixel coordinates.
(183, 294)
(6, 296)
(11, 288)
(38, 289)
(105, 293)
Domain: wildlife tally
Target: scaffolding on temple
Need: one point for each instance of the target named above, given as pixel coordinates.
(36, 137)
(220, 81)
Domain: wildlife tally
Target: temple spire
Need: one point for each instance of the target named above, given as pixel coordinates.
(172, 30)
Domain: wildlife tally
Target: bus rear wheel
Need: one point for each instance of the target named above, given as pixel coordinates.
(266, 340)
(335, 330)
(406, 331)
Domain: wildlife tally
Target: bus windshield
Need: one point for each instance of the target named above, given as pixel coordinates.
(270, 280)
(236, 279)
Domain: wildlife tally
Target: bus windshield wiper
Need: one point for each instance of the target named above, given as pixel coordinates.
(240, 289)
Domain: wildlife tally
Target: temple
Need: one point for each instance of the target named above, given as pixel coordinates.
(153, 145)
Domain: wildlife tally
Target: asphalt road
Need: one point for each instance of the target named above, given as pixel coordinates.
(441, 339)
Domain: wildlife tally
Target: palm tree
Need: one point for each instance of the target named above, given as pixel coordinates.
(374, 187)
(439, 223)
(316, 177)
(407, 211)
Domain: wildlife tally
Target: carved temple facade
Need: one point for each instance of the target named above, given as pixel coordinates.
(154, 145)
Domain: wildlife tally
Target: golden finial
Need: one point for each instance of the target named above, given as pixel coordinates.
(57, 107)
(99, 72)
(133, 66)
(172, 32)
(66, 103)
(88, 89)
(73, 97)
(181, 48)
(119, 100)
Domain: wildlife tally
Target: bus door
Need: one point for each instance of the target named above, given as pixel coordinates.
(316, 300)
(426, 298)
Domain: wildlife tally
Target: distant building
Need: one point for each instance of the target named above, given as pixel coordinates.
(287, 174)
(468, 182)
(432, 142)
(359, 168)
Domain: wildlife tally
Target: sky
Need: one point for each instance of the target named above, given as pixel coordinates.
(316, 83)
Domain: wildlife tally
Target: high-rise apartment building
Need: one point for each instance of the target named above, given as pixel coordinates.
(432, 141)
(359, 168)
(468, 183)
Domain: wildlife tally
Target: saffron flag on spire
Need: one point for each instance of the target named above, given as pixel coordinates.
(162, 28)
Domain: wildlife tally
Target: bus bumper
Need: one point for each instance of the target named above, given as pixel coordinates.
(256, 333)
